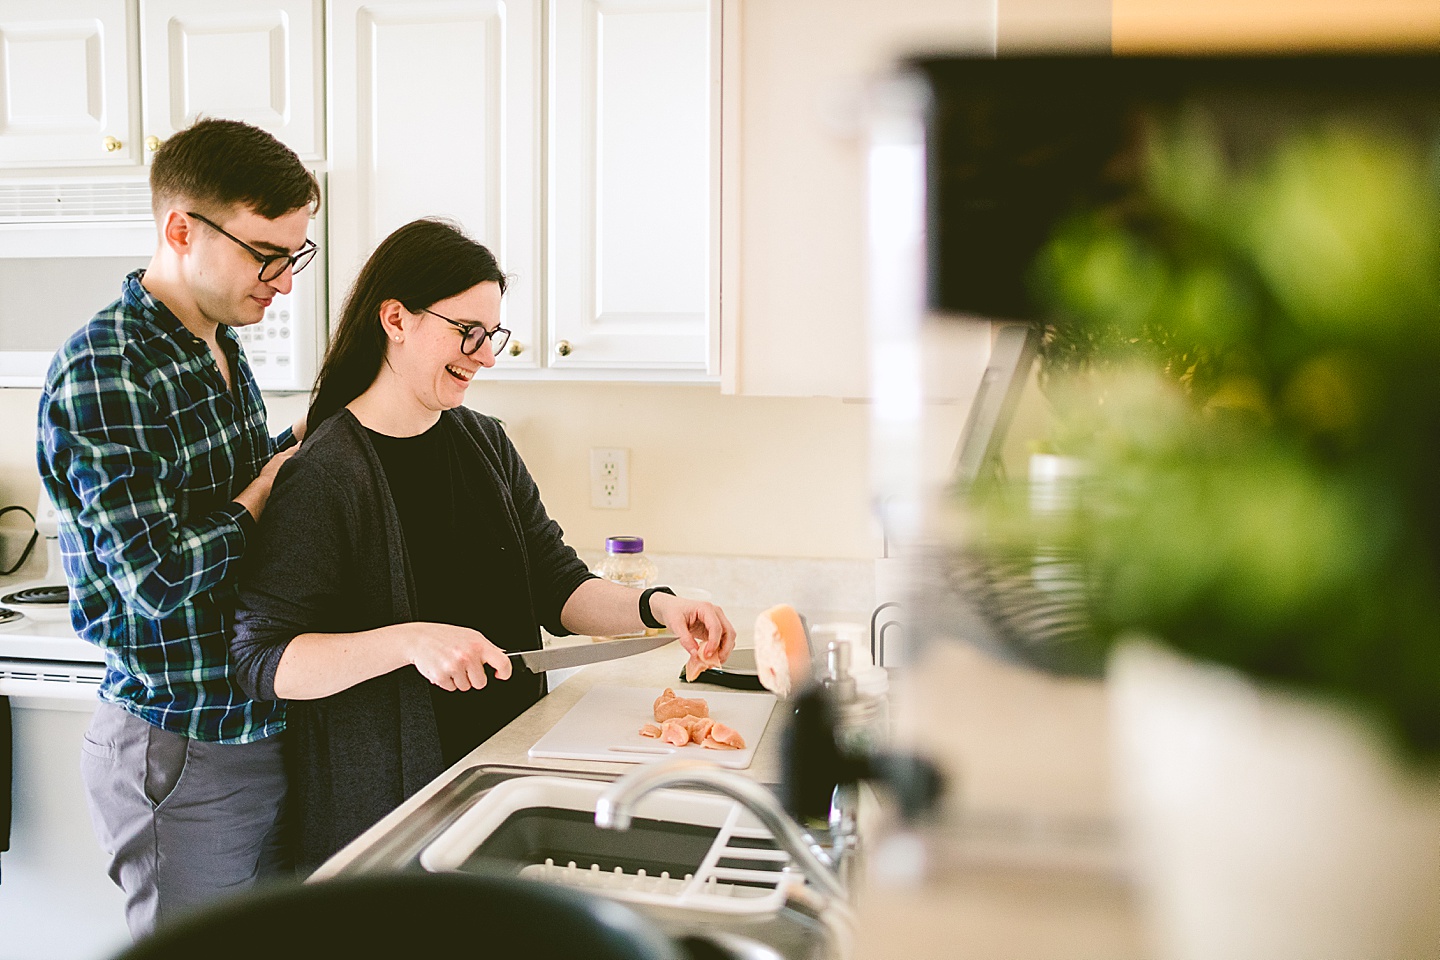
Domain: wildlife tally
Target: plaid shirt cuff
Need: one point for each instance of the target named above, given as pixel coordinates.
(242, 519)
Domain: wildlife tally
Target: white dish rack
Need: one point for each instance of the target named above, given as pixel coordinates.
(734, 877)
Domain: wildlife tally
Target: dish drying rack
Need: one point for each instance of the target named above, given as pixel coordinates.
(744, 872)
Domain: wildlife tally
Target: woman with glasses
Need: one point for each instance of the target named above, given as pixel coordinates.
(405, 550)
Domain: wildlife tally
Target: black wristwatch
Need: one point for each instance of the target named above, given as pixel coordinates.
(646, 617)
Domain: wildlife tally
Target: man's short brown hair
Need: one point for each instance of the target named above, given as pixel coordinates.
(216, 164)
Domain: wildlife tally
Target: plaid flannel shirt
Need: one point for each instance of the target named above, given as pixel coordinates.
(142, 449)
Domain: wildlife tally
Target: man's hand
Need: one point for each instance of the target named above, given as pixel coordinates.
(257, 494)
(453, 658)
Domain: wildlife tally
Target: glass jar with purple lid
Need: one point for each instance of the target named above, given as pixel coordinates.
(625, 563)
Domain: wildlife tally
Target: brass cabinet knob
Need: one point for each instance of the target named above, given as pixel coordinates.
(152, 143)
(563, 348)
(111, 144)
(516, 348)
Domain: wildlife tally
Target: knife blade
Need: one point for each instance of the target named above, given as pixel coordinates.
(579, 654)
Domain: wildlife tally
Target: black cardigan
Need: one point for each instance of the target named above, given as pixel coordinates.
(328, 558)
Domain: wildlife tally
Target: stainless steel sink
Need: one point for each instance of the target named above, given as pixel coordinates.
(689, 852)
(698, 864)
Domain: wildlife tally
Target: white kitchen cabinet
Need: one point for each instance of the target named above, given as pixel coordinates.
(238, 59)
(578, 139)
(435, 111)
(101, 83)
(67, 93)
(633, 120)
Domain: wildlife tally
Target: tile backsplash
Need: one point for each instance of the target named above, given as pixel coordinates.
(821, 590)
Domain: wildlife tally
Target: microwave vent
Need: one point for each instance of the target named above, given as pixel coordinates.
(74, 201)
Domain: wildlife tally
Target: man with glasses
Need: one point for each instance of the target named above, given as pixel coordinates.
(154, 447)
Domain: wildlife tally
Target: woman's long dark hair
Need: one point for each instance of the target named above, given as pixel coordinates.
(420, 264)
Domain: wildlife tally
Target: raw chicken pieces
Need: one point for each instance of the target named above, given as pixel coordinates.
(699, 662)
(722, 737)
(670, 707)
(674, 731)
(681, 721)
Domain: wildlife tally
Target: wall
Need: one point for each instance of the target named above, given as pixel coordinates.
(708, 474)
(19, 479)
(797, 282)
(743, 476)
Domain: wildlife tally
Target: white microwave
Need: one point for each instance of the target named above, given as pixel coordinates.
(67, 243)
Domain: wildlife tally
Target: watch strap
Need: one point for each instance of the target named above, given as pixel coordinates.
(646, 617)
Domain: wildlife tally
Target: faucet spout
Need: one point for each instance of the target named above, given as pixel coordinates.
(614, 808)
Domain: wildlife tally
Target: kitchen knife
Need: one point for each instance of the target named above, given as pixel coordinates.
(580, 654)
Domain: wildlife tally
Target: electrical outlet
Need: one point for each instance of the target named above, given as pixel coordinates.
(610, 478)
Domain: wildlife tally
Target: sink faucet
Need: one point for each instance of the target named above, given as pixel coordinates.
(614, 808)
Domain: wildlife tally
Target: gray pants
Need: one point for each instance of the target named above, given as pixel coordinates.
(184, 821)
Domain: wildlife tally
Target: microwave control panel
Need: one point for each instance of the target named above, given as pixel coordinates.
(284, 348)
(276, 347)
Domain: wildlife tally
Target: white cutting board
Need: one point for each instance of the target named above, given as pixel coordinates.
(605, 724)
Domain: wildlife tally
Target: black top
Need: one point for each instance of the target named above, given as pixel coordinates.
(329, 556)
(464, 574)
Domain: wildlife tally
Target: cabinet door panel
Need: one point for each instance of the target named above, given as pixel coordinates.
(64, 83)
(630, 190)
(262, 63)
(436, 113)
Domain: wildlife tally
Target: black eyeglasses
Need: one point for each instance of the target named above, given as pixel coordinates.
(271, 264)
(475, 334)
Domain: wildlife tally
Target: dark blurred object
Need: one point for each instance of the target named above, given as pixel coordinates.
(1016, 144)
(811, 761)
(7, 762)
(814, 763)
(386, 916)
(914, 783)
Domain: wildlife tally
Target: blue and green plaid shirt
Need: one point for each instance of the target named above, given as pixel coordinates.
(143, 449)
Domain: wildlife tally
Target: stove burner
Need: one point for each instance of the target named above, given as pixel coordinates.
(10, 616)
(59, 594)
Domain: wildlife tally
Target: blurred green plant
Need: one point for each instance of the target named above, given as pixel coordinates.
(1247, 356)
